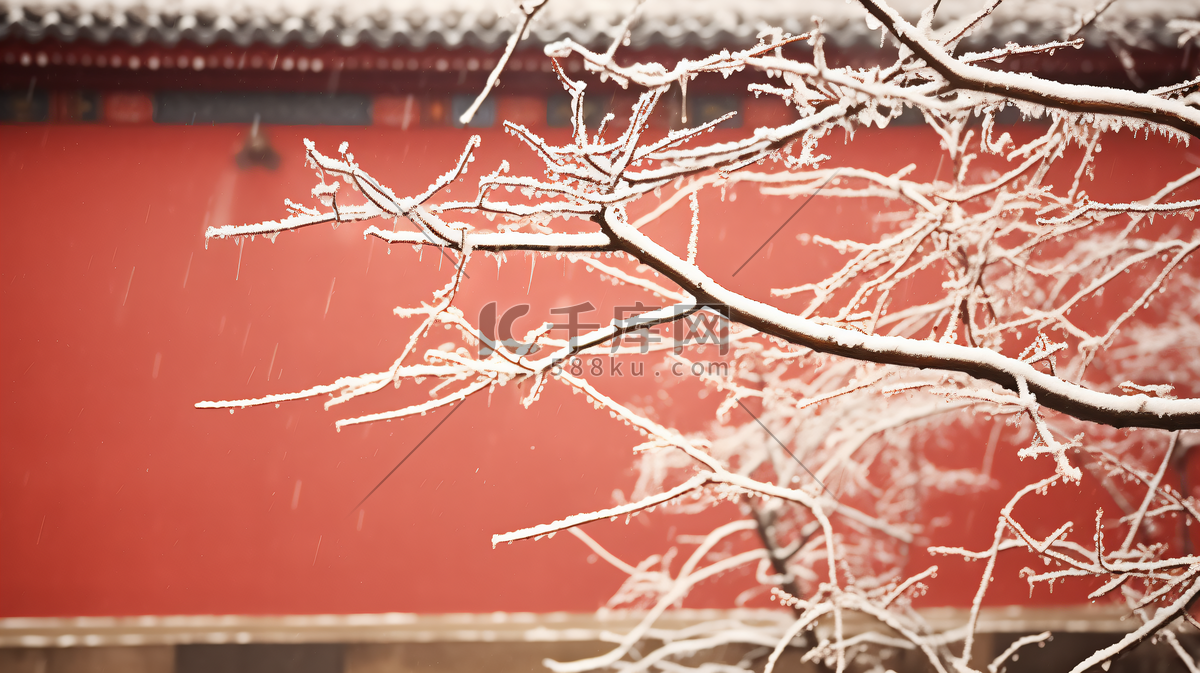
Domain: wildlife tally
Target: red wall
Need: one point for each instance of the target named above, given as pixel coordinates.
(117, 497)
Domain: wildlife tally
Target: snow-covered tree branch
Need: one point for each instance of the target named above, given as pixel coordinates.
(853, 381)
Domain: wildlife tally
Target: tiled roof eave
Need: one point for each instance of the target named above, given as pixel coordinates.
(589, 23)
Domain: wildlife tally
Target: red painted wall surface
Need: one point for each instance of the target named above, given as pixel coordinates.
(117, 497)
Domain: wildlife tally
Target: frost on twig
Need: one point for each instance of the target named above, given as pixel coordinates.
(825, 407)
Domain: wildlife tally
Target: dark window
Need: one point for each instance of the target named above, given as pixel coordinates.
(558, 111)
(484, 117)
(24, 106)
(271, 108)
(703, 109)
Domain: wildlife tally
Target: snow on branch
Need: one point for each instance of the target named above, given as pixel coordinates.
(1070, 97)
(825, 403)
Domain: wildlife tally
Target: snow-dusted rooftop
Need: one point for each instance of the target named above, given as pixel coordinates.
(487, 23)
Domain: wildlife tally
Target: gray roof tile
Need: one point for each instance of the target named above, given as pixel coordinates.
(487, 23)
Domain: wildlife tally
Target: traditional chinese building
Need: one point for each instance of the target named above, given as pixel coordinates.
(400, 64)
(138, 533)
